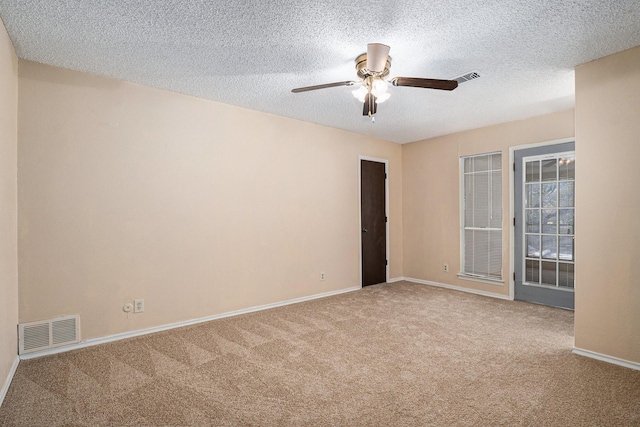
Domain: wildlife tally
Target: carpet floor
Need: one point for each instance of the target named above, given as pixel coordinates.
(397, 354)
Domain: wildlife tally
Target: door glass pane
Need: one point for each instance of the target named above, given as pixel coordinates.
(549, 195)
(548, 273)
(533, 171)
(566, 248)
(549, 170)
(549, 247)
(549, 221)
(533, 245)
(566, 221)
(532, 199)
(565, 275)
(566, 194)
(533, 221)
(567, 168)
(532, 272)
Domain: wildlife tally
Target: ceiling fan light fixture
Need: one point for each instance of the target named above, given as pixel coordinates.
(372, 68)
(379, 87)
(360, 93)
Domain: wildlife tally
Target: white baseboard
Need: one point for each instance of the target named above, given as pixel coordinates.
(396, 279)
(605, 358)
(7, 383)
(457, 288)
(131, 334)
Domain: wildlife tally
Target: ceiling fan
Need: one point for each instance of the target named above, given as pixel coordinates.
(372, 68)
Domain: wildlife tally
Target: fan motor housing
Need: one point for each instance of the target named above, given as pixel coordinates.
(363, 73)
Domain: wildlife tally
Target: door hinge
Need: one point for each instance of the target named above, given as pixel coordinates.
(386, 219)
(514, 221)
(514, 276)
(386, 262)
(514, 166)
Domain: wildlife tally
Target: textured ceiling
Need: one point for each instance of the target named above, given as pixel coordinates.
(252, 53)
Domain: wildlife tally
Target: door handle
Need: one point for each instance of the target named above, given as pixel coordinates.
(364, 230)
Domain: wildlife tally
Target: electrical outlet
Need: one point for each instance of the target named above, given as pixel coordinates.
(445, 267)
(322, 275)
(138, 306)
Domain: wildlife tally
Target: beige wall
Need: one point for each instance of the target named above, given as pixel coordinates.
(608, 206)
(8, 204)
(431, 194)
(200, 208)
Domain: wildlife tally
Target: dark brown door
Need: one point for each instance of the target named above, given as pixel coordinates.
(373, 220)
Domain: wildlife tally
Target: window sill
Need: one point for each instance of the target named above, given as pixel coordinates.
(496, 282)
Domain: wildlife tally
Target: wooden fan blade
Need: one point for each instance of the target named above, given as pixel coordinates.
(370, 105)
(324, 86)
(425, 83)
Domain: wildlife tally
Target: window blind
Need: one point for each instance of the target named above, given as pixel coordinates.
(482, 216)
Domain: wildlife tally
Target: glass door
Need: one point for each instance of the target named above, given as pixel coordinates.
(545, 227)
(549, 221)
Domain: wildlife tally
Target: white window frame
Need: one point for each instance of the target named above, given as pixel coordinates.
(463, 274)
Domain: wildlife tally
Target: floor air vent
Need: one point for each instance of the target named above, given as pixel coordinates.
(467, 77)
(37, 336)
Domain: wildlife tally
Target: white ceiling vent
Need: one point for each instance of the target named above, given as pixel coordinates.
(467, 77)
(36, 336)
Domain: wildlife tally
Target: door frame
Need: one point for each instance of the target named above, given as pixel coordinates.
(512, 208)
(386, 211)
